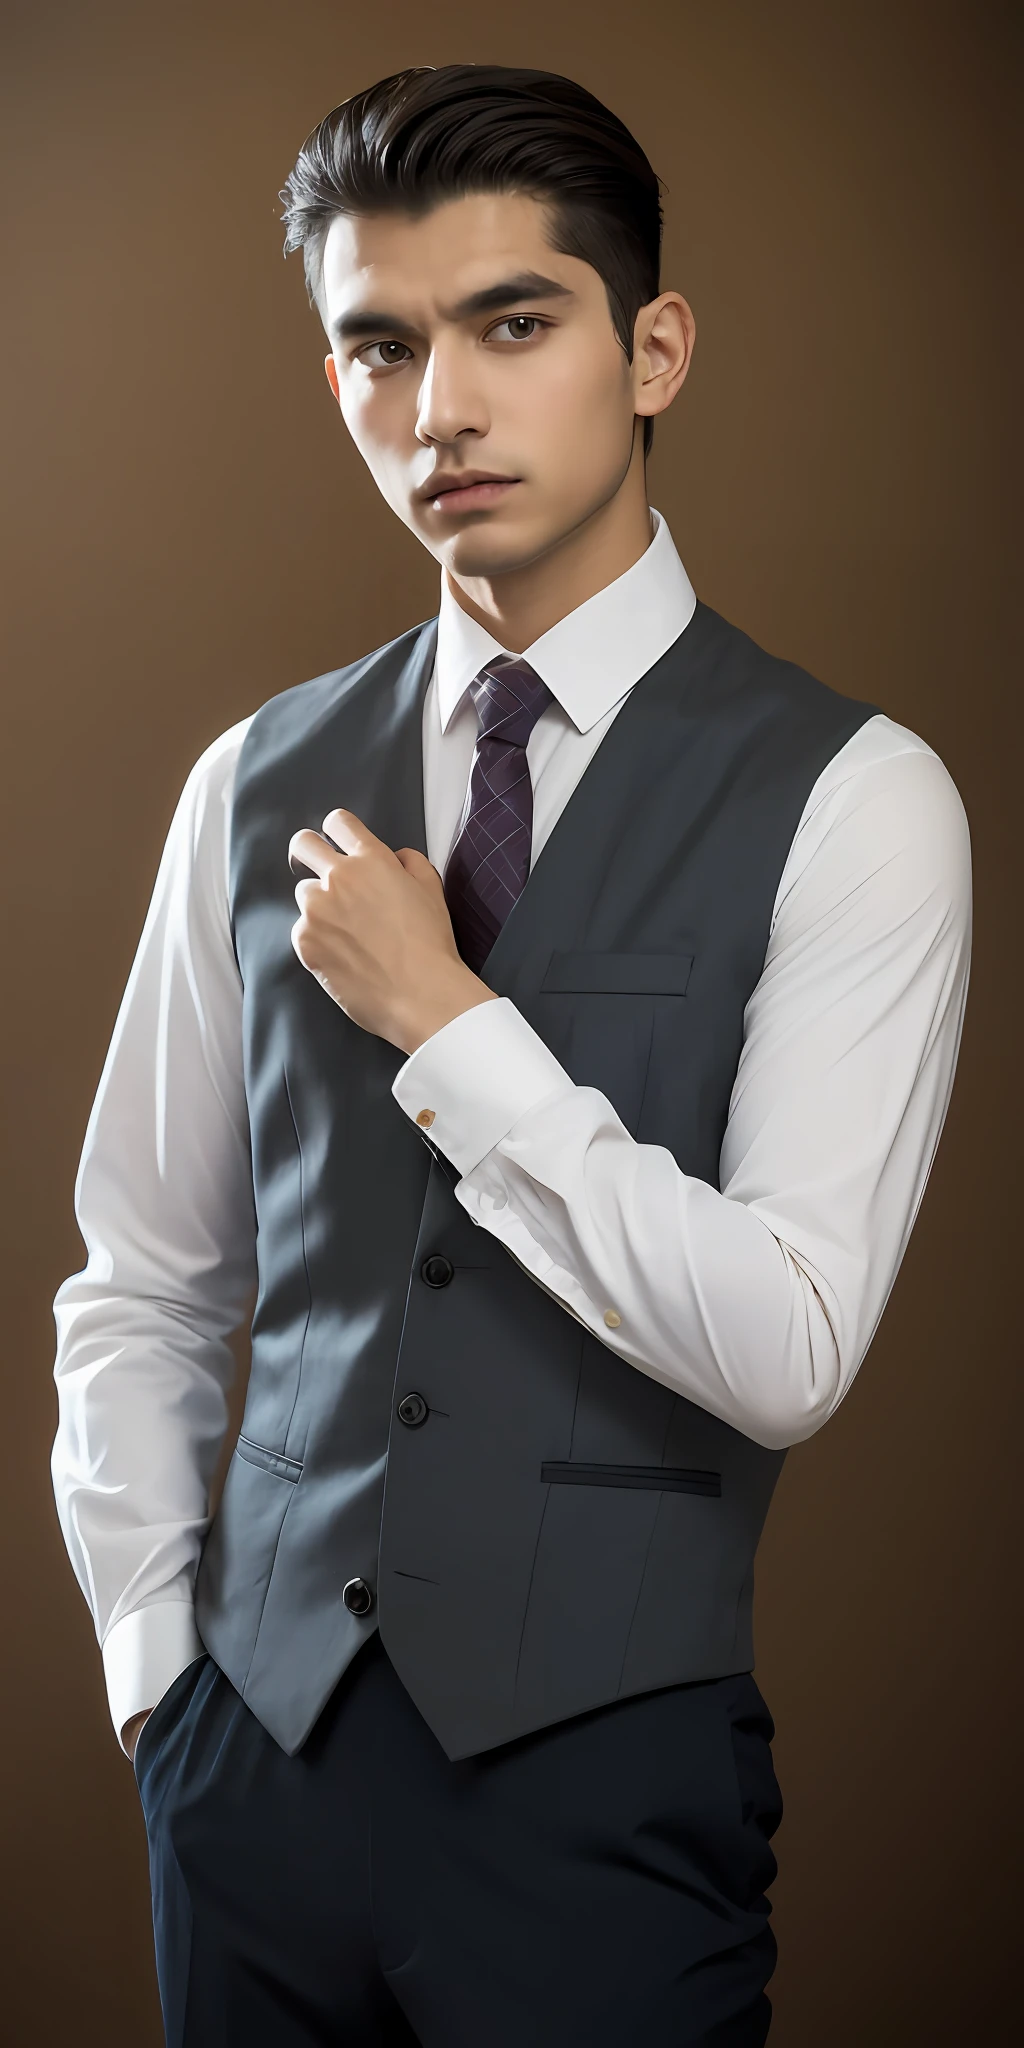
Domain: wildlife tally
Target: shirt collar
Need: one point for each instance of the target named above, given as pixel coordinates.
(596, 653)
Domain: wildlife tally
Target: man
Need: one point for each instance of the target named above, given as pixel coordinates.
(574, 1129)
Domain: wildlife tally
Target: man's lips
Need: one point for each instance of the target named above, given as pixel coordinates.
(468, 497)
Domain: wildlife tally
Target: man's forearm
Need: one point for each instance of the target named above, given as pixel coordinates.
(757, 1302)
(165, 1207)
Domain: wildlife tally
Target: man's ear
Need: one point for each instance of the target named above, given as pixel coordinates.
(663, 338)
(332, 376)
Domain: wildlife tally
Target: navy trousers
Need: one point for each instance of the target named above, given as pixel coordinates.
(600, 1882)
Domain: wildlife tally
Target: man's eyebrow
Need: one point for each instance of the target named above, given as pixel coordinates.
(526, 284)
(508, 291)
(367, 326)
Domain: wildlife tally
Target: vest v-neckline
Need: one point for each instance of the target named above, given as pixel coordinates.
(600, 806)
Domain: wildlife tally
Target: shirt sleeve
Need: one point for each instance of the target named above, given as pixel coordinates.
(164, 1204)
(757, 1299)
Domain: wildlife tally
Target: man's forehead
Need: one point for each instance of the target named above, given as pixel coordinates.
(458, 248)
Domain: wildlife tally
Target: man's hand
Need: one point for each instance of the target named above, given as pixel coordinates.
(374, 930)
(132, 1730)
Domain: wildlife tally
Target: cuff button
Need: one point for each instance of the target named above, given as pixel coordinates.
(425, 1118)
(612, 1318)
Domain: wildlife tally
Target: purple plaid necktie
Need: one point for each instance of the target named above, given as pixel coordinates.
(490, 859)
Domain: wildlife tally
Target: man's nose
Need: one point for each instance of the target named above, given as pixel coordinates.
(450, 400)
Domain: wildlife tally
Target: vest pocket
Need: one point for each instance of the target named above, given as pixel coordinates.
(665, 1478)
(239, 1554)
(268, 1461)
(596, 1011)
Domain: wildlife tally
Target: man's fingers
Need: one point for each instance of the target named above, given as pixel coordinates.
(349, 832)
(306, 887)
(311, 854)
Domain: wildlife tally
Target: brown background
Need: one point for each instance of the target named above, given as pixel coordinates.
(189, 531)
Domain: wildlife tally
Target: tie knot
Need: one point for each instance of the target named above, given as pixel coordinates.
(509, 696)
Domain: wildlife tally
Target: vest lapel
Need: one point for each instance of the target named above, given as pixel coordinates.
(387, 763)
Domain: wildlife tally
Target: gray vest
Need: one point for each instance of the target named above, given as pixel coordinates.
(546, 1528)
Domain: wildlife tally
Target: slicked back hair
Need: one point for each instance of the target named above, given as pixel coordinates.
(433, 133)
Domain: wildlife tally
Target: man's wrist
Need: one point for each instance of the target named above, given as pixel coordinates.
(435, 1007)
(143, 1654)
(474, 1079)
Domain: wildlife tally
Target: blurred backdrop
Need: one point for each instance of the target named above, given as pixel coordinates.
(187, 531)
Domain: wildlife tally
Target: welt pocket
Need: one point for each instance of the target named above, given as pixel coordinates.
(594, 973)
(268, 1461)
(665, 1478)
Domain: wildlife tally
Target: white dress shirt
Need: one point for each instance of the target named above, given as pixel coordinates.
(757, 1300)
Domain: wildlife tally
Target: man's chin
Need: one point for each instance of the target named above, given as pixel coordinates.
(486, 550)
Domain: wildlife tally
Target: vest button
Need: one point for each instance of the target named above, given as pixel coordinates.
(413, 1410)
(437, 1270)
(357, 1596)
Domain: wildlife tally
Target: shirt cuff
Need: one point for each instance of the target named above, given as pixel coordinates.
(144, 1653)
(471, 1081)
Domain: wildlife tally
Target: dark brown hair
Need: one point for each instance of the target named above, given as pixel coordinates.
(430, 133)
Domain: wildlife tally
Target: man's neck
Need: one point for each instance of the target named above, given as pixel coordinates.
(520, 605)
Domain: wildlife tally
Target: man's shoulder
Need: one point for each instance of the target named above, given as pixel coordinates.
(210, 779)
(885, 818)
(888, 766)
(294, 714)
(304, 707)
(736, 676)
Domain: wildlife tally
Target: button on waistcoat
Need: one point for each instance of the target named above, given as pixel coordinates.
(432, 1444)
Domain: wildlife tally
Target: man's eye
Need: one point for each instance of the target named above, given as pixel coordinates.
(366, 354)
(520, 320)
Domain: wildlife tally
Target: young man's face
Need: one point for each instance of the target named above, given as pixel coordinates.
(531, 386)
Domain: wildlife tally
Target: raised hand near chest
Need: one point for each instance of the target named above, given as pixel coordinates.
(373, 929)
